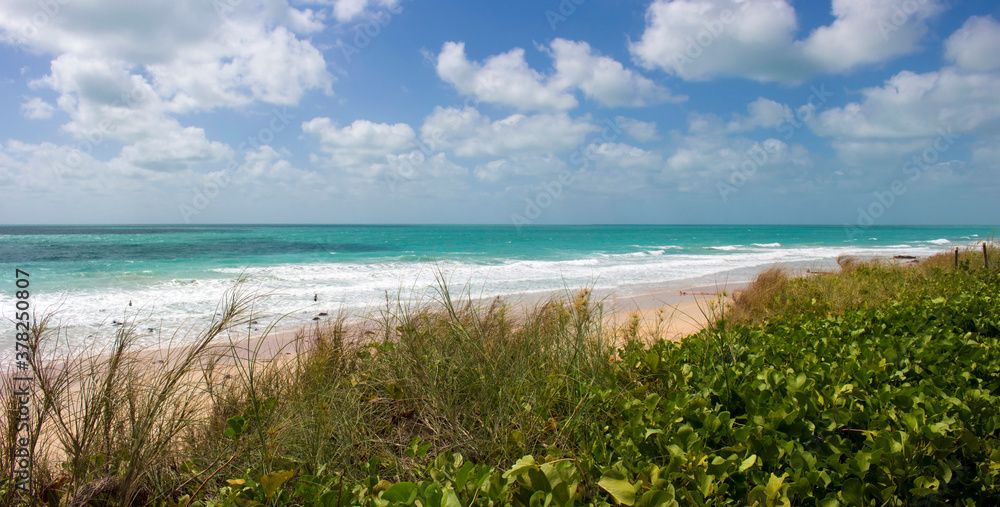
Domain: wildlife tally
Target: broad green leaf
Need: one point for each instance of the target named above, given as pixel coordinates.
(401, 492)
(272, 481)
(235, 426)
(774, 485)
(521, 466)
(749, 462)
(614, 483)
(851, 492)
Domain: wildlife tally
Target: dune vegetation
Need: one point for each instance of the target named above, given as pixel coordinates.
(877, 384)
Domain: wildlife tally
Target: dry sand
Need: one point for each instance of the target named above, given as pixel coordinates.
(667, 312)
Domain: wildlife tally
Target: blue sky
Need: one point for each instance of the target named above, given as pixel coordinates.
(576, 111)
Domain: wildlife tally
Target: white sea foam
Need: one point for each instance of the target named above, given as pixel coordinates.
(169, 303)
(767, 245)
(941, 241)
(659, 247)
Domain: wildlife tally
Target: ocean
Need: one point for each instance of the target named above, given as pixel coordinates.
(173, 277)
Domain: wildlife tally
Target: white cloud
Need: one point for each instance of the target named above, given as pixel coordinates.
(866, 154)
(866, 32)
(37, 109)
(911, 105)
(174, 150)
(622, 157)
(604, 79)
(416, 165)
(642, 131)
(755, 39)
(265, 166)
(361, 143)
(148, 31)
(496, 170)
(349, 10)
(61, 170)
(544, 165)
(508, 79)
(243, 64)
(709, 156)
(701, 39)
(45, 165)
(763, 113)
(975, 46)
(125, 70)
(469, 133)
(503, 79)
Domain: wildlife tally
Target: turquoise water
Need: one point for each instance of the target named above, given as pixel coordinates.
(175, 275)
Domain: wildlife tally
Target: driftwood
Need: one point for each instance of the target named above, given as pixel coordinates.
(732, 293)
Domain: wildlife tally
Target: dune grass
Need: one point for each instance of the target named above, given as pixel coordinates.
(486, 380)
(858, 284)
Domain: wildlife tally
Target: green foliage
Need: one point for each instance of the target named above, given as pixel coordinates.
(822, 398)
(888, 405)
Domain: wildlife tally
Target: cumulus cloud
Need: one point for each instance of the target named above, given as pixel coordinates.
(508, 79)
(709, 155)
(975, 46)
(911, 105)
(469, 133)
(125, 71)
(174, 150)
(762, 113)
(642, 131)
(543, 165)
(622, 157)
(62, 169)
(45, 165)
(349, 10)
(865, 32)
(244, 63)
(417, 165)
(604, 79)
(503, 79)
(37, 109)
(361, 143)
(756, 39)
(266, 166)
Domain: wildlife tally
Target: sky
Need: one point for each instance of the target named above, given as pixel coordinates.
(850, 112)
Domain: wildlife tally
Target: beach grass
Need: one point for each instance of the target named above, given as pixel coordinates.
(480, 401)
(857, 284)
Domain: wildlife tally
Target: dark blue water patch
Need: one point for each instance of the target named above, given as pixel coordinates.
(214, 248)
(66, 230)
